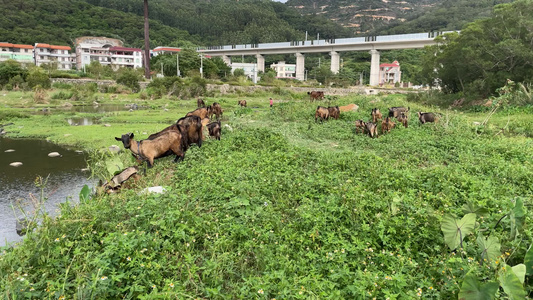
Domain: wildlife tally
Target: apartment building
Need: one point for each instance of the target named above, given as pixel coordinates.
(53, 54)
(21, 53)
(108, 52)
(122, 57)
(284, 70)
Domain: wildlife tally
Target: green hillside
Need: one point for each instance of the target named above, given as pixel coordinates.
(232, 22)
(60, 22)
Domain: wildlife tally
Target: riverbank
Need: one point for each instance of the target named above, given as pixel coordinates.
(283, 207)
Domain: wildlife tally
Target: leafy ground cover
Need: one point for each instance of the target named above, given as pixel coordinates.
(286, 208)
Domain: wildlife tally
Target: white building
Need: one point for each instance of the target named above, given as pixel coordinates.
(284, 70)
(122, 57)
(20, 53)
(52, 54)
(250, 70)
(390, 73)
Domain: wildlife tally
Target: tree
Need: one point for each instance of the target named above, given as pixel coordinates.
(146, 42)
(486, 53)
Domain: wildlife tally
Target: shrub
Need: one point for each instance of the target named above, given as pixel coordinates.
(128, 77)
(61, 85)
(37, 77)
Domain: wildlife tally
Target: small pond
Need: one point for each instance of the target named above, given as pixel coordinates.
(102, 108)
(65, 179)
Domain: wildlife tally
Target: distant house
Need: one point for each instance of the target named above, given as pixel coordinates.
(284, 70)
(21, 53)
(122, 57)
(106, 51)
(50, 54)
(390, 73)
(250, 70)
(164, 50)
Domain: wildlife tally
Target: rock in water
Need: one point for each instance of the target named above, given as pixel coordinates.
(54, 154)
(9, 150)
(16, 164)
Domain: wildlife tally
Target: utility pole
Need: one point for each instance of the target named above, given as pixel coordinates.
(202, 65)
(146, 42)
(178, 63)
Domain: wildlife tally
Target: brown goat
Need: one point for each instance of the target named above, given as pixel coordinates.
(402, 118)
(148, 150)
(394, 112)
(322, 113)
(199, 112)
(360, 125)
(371, 129)
(334, 112)
(376, 115)
(214, 129)
(316, 95)
(200, 102)
(387, 125)
(427, 117)
(192, 130)
(242, 103)
(217, 110)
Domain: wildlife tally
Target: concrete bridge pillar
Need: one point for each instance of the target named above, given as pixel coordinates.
(374, 68)
(300, 66)
(226, 59)
(260, 62)
(335, 62)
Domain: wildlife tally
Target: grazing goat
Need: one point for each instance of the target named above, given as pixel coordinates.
(427, 117)
(200, 102)
(192, 130)
(217, 110)
(242, 103)
(387, 125)
(402, 118)
(334, 112)
(372, 129)
(394, 112)
(199, 112)
(360, 125)
(316, 95)
(214, 129)
(148, 150)
(376, 115)
(322, 113)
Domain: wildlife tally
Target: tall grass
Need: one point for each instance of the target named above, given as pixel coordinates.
(283, 207)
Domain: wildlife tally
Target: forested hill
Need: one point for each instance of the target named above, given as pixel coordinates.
(448, 15)
(61, 21)
(396, 17)
(231, 21)
(172, 22)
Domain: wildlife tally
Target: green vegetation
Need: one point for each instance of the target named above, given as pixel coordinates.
(61, 22)
(486, 54)
(283, 207)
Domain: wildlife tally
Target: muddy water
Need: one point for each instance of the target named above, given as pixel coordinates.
(17, 184)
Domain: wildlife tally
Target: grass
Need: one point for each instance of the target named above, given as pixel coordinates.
(283, 207)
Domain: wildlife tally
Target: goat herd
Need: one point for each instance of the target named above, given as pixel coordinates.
(178, 137)
(196, 125)
(371, 127)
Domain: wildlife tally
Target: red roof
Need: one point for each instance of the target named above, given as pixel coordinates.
(22, 46)
(124, 49)
(167, 49)
(60, 47)
(7, 45)
(394, 64)
(41, 45)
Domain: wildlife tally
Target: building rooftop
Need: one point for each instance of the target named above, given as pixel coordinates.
(124, 49)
